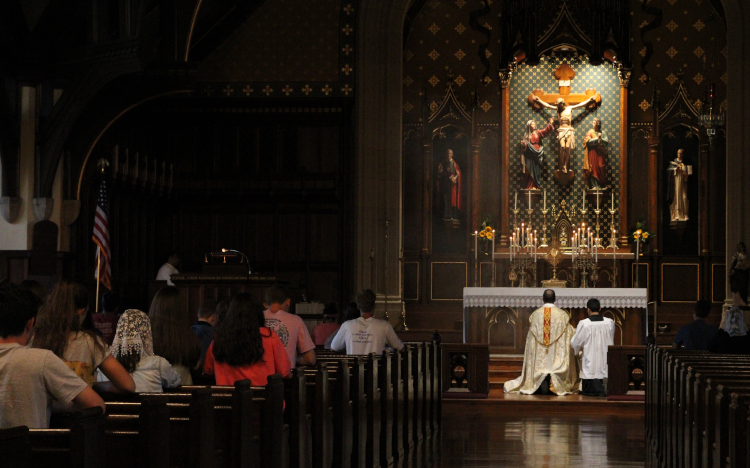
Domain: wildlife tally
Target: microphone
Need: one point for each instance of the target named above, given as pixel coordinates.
(247, 261)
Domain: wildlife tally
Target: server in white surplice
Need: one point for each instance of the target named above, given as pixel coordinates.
(593, 336)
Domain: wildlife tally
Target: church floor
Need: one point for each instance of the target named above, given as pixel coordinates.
(527, 431)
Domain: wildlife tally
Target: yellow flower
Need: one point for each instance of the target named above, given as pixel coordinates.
(635, 235)
(482, 234)
(489, 235)
(645, 235)
(488, 229)
(638, 231)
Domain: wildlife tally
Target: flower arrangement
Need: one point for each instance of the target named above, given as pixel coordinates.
(485, 233)
(641, 234)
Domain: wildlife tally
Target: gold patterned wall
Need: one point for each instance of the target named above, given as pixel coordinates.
(669, 36)
(288, 48)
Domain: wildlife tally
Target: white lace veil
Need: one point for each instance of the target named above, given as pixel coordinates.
(133, 335)
(734, 324)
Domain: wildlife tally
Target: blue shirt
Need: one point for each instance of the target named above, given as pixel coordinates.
(696, 335)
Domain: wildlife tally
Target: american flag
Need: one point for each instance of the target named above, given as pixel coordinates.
(101, 237)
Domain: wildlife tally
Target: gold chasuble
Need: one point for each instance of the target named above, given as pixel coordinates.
(548, 352)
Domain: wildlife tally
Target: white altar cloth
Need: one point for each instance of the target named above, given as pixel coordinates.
(630, 298)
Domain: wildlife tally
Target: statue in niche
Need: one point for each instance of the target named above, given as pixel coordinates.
(449, 186)
(596, 146)
(532, 154)
(677, 196)
(565, 136)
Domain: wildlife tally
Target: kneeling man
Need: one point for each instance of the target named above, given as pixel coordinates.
(594, 335)
(549, 365)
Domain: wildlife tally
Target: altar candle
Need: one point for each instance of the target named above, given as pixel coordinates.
(597, 200)
(545, 200)
(516, 207)
(583, 200)
(476, 237)
(613, 200)
(493, 245)
(614, 246)
(529, 199)
(522, 235)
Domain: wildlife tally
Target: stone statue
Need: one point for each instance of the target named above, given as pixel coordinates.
(565, 131)
(449, 185)
(596, 146)
(677, 196)
(532, 154)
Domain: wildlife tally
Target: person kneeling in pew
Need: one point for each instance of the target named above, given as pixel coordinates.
(366, 334)
(245, 349)
(32, 379)
(593, 336)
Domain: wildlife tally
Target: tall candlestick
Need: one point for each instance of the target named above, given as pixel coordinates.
(476, 237)
(529, 199)
(493, 252)
(516, 206)
(612, 204)
(597, 200)
(545, 199)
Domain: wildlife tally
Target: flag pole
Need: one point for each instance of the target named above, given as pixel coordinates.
(98, 281)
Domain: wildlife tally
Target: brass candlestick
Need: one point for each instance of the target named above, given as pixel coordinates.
(544, 228)
(598, 240)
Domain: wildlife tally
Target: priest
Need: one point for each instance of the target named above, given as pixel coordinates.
(549, 364)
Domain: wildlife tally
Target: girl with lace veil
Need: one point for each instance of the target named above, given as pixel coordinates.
(133, 347)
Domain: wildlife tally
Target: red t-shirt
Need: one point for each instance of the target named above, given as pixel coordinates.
(107, 324)
(322, 331)
(274, 361)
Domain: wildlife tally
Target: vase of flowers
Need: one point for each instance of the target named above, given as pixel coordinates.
(641, 236)
(486, 234)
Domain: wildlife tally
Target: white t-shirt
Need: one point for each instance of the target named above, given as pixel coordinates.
(594, 337)
(365, 336)
(30, 380)
(165, 273)
(151, 374)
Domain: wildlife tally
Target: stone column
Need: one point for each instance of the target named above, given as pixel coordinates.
(378, 98)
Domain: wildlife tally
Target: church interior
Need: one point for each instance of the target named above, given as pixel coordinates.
(457, 157)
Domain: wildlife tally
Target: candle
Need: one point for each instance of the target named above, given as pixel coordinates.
(529, 192)
(476, 236)
(545, 200)
(516, 207)
(613, 200)
(596, 250)
(493, 246)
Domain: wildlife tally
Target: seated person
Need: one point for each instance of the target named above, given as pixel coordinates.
(133, 347)
(204, 328)
(732, 337)
(169, 268)
(106, 320)
(350, 313)
(290, 328)
(593, 336)
(549, 365)
(322, 331)
(698, 334)
(243, 348)
(32, 379)
(366, 334)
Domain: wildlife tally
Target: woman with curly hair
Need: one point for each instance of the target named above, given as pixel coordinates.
(244, 348)
(174, 340)
(59, 328)
(133, 347)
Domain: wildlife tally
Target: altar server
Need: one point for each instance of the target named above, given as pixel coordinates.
(549, 365)
(593, 336)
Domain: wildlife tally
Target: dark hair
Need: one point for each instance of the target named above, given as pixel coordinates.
(276, 294)
(170, 254)
(58, 318)
(170, 328)
(366, 300)
(352, 312)
(129, 360)
(702, 308)
(110, 301)
(593, 305)
(222, 307)
(238, 339)
(549, 296)
(17, 307)
(207, 308)
(35, 287)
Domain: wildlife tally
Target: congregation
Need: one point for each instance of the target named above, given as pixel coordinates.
(55, 356)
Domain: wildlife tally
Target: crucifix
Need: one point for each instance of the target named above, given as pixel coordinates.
(563, 103)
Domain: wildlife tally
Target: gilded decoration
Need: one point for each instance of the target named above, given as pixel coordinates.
(288, 48)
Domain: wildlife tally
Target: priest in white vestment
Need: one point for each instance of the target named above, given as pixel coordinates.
(548, 353)
(593, 336)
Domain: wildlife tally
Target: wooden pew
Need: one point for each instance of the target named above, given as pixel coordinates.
(81, 444)
(137, 434)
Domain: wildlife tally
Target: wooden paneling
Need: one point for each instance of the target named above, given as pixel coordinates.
(411, 281)
(680, 282)
(718, 282)
(448, 280)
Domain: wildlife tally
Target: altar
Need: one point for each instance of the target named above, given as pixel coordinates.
(499, 317)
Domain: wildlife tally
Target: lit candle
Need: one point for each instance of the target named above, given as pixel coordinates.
(476, 237)
(614, 246)
(493, 245)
